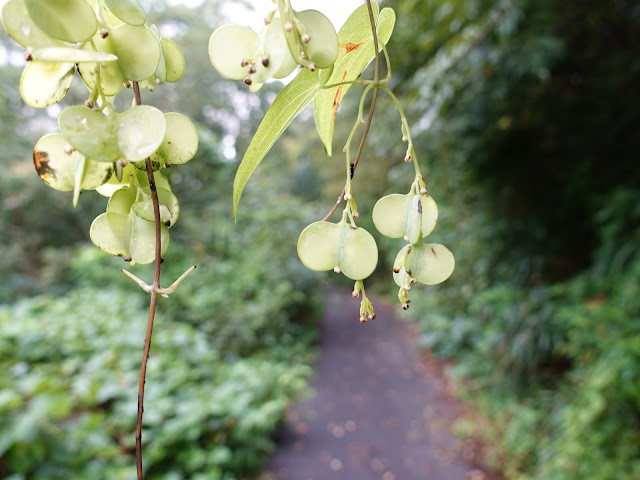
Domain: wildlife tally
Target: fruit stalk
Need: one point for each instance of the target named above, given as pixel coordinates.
(152, 303)
(375, 85)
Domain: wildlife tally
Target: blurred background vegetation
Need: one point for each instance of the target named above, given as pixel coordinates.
(525, 114)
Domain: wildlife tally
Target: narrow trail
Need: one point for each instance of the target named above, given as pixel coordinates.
(377, 413)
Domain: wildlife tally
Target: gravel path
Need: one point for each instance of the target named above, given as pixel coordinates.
(378, 413)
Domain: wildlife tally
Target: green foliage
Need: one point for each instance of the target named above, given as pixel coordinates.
(66, 407)
(357, 41)
(288, 104)
(526, 109)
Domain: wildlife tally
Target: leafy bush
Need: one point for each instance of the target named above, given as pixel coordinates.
(556, 367)
(69, 372)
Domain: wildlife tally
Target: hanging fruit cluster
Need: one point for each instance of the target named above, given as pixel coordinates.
(109, 44)
(331, 65)
(288, 39)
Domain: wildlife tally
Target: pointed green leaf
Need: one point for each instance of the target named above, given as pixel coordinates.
(355, 53)
(288, 104)
(43, 84)
(69, 20)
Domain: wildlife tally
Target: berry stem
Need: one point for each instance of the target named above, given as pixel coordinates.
(152, 303)
(375, 85)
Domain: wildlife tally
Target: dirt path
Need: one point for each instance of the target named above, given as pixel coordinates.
(377, 413)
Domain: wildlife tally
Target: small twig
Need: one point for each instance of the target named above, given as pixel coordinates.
(376, 85)
(152, 303)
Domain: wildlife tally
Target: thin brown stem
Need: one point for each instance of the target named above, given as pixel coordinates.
(372, 107)
(153, 301)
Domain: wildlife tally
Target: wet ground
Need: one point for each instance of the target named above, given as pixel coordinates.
(379, 411)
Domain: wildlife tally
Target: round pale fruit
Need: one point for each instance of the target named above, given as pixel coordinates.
(322, 48)
(278, 50)
(429, 263)
(228, 46)
(72, 21)
(412, 215)
(329, 246)
(58, 169)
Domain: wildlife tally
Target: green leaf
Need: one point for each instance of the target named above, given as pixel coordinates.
(288, 104)
(69, 20)
(43, 84)
(355, 53)
(129, 11)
